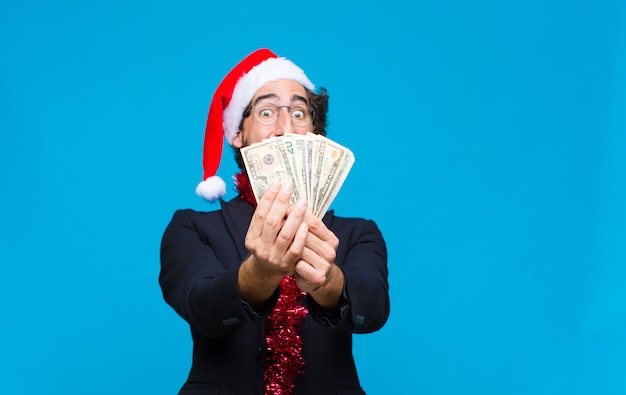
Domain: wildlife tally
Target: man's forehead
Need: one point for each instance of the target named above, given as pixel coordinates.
(281, 89)
(276, 98)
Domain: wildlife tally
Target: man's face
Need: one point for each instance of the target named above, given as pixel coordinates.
(288, 96)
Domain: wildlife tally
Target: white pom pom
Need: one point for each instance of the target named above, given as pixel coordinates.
(211, 189)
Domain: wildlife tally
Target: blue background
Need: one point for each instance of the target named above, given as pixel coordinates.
(490, 144)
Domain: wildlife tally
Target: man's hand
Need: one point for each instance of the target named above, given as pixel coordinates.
(316, 272)
(276, 239)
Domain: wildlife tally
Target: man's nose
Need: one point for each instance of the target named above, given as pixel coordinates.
(283, 124)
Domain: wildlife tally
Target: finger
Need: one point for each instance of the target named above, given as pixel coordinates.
(308, 277)
(321, 240)
(276, 215)
(294, 251)
(314, 243)
(292, 225)
(287, 247)
(323, 249)
(287, 255)
(311, 258)
(319, 229)
(262, 210)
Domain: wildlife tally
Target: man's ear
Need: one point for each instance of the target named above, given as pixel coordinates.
(238, 140)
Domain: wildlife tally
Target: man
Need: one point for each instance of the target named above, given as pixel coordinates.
(272, 294)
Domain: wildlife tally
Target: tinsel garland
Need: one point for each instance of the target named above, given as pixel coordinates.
(243, 187)
(283, 360)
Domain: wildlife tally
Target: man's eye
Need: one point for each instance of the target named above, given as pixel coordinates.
(266, 113)
(299, 114)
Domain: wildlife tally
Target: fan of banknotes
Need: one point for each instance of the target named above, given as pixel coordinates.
(315, 165)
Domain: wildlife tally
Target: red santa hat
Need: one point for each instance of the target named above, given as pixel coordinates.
(230, 100)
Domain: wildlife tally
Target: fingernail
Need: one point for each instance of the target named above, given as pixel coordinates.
(302, 203)
(286, 188)
(275, 187)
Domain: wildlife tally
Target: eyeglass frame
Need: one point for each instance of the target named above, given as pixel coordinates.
(246, 113)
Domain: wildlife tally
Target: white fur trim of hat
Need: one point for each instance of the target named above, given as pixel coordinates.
(272, 69)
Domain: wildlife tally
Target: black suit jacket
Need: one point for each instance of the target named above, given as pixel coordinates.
(200, 255)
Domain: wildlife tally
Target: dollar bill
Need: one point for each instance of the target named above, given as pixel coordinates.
(295, 148)
(329, 167)
(319, 148)
(315, 165)
(336, 183)
(267, 162)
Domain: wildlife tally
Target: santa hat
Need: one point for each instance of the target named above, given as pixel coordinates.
(230, 100)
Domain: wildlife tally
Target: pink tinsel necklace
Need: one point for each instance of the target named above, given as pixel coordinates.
(283, 361)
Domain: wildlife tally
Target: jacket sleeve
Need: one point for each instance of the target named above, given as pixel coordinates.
(199, 286)
(364, 306)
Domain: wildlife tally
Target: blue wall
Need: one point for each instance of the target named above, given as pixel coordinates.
(490, 140)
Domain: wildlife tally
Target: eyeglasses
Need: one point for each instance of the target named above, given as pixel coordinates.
(267, 113)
